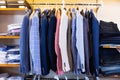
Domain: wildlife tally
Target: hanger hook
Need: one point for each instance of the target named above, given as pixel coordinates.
(63, 4)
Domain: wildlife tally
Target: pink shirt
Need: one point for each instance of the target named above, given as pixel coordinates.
(57, 47)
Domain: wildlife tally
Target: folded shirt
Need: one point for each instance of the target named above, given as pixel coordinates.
(110, 40)
(11, 56)
(106, 27)
(15, 78)
(110, 70)
(3, 34)
(4, 75)
(2, 57)
(13, 52)
(15, 30)
(109, 56)
(14, 26)
(14, 61)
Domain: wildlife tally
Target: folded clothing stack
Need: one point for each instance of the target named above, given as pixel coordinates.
(109, 61)
(9, 54)
(15, 78)
(14, 29)
(3, 57)
(109, 33)
(13, 56)
(109, 57)
(15, 3)
(3, 53)
(2, 4)
(6, 76)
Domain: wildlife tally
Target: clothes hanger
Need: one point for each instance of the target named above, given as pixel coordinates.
(66, 77)
(86, 77)
(56, 77)
(35, 77)
(38, 77)
(63, 4)
(33, 11)
(97, 78)
(77, 78)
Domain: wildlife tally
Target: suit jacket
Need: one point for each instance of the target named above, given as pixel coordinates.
(51, 38)
(95, 43)
(43, 45)
(24, 45)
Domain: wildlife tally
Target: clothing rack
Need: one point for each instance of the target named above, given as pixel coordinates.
(79, 4)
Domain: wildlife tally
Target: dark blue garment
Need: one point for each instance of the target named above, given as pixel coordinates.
(5, 48)
(51, 41)
(110, 70)
(109, 35)
(95, 43)
(108, 27)
(13, 52)
(13, 61)
(115, 40)
(109, 56)
(88, 15)
(43, 45)
(73, 42)
(24, 45)
(86, 47)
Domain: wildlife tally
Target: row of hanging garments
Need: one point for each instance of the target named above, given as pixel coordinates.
(60, 40)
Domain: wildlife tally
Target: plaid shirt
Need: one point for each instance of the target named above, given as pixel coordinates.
(35, 44)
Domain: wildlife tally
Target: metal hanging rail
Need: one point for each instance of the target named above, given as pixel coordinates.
(79, 4)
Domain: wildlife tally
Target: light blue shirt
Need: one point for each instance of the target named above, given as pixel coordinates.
(35, 44)
(73, 42)
(80, 41)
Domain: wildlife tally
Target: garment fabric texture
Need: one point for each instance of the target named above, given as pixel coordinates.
(69, 40)
(108, 27)
(57, 47)
(80, 40)
(30, 23)
(63, 41)
(95, 43)
(88, 15)
(111, 40)
(24, 45)
(109, 56)
(51, 39)
(43, 44)
(110, 70)
(109, 33)
(86, 47)
(34, 41)
(73, 42)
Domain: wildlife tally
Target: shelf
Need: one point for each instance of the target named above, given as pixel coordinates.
(110, 45)
(9, 37)
(9, 65)
(12, 11)
(110, 76)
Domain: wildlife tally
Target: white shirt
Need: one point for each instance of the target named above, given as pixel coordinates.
(63, 41)
(80, 39)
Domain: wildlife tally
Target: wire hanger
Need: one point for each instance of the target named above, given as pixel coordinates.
(66, 77)
(35, 77)
(56, 77)
(63, 4)
(38, 77)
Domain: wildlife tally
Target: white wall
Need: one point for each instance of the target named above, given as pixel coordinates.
(110, 12)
